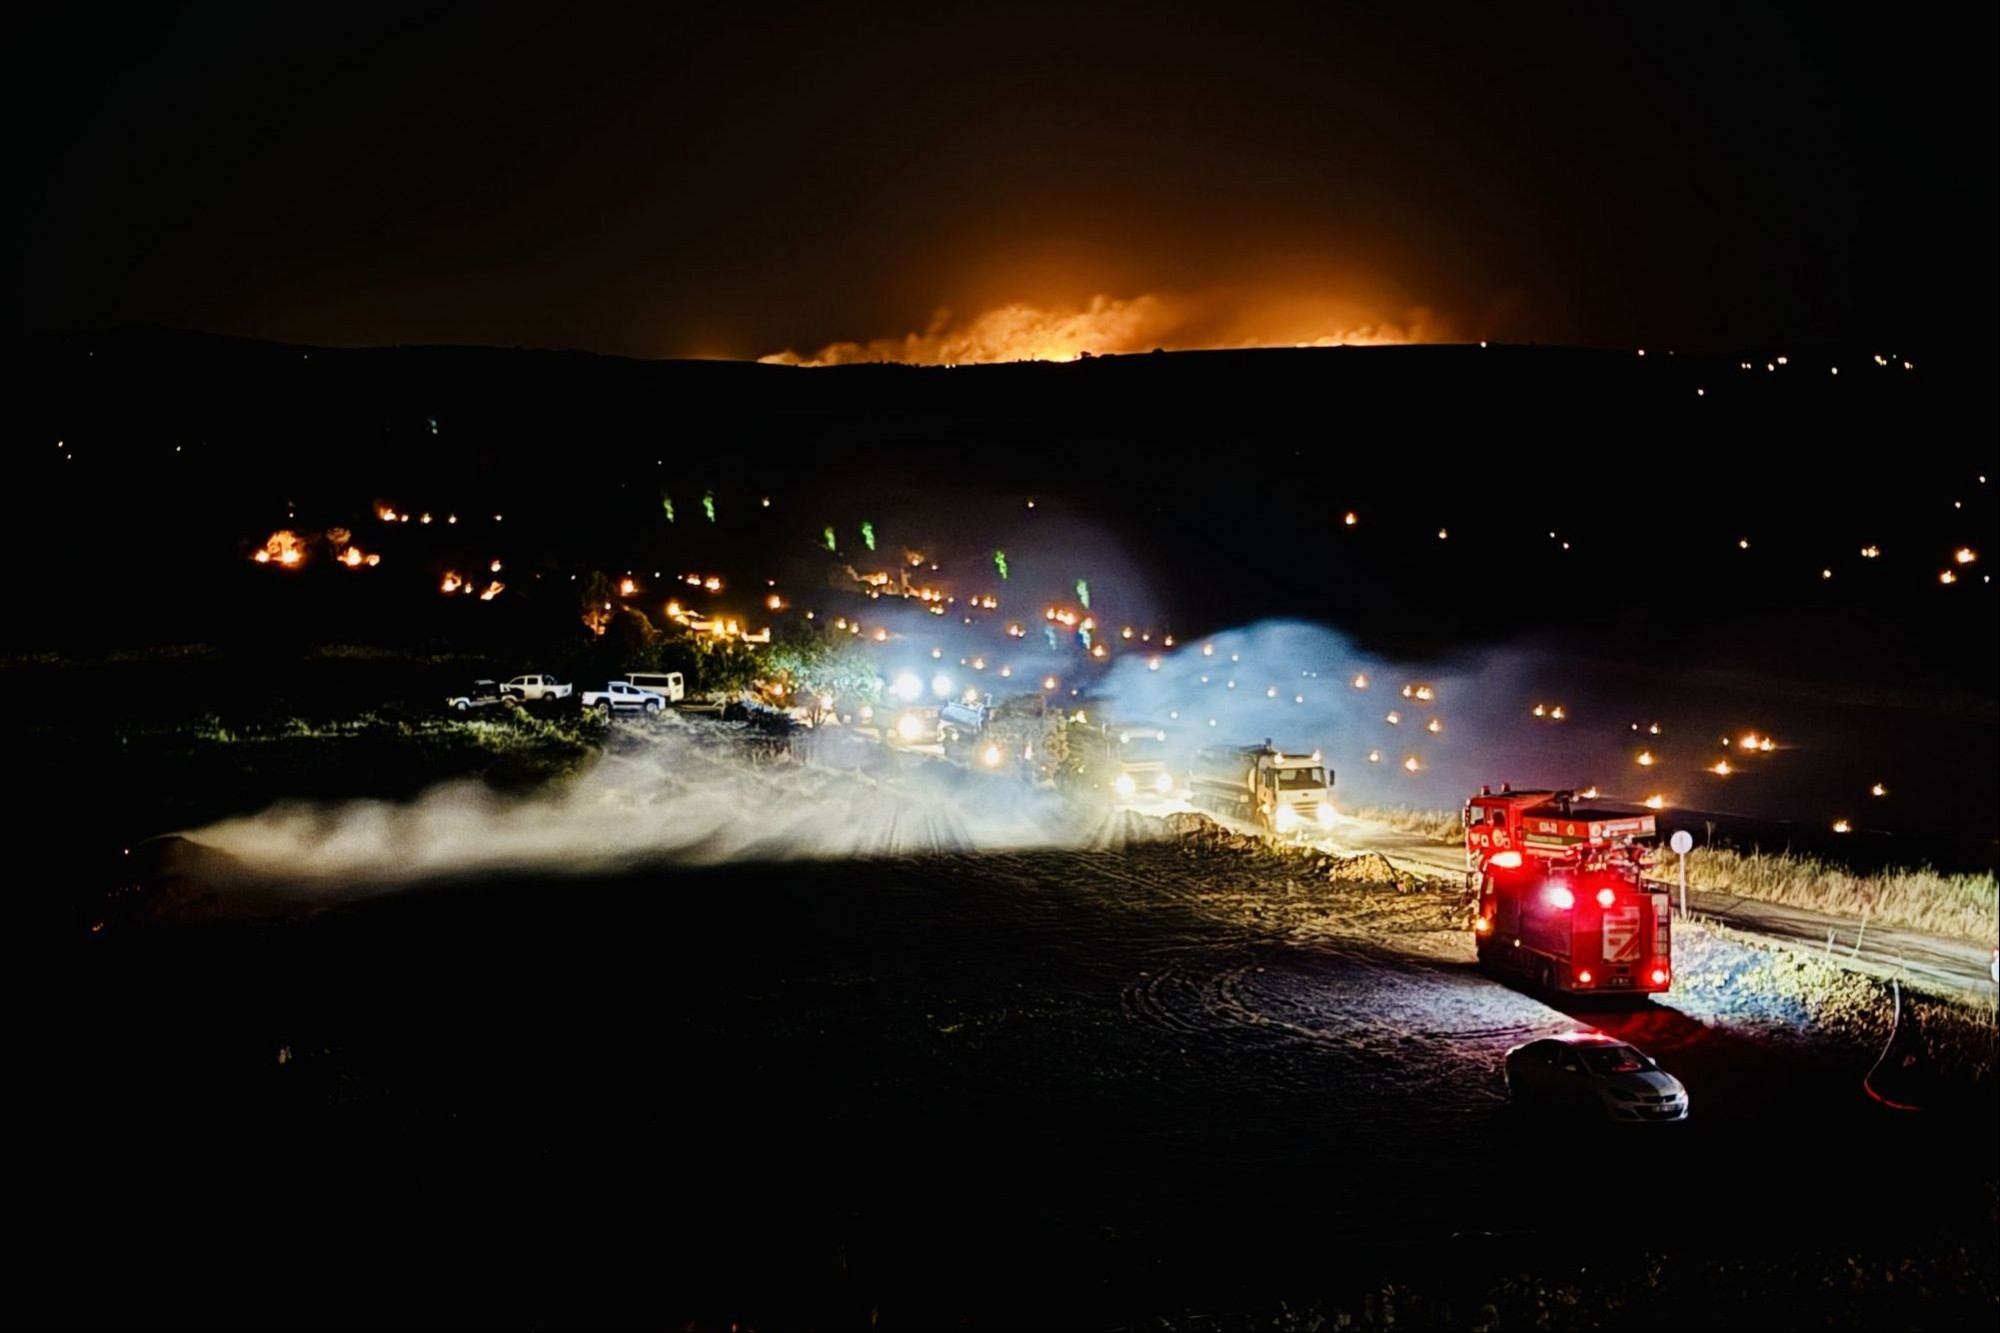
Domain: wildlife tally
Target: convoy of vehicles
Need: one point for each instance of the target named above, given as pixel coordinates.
(1595, 1075)
(1562, 896)
(1282, 793)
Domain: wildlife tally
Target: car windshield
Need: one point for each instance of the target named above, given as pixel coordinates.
(1616, 1060)
(1299, 779)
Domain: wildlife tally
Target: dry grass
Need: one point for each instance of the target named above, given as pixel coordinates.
(1437, 825)
(1963, 907)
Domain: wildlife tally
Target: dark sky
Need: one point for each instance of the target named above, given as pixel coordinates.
(754, 178)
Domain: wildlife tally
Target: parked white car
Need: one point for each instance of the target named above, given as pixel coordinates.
(1596, 1075)
(667, 684)
(533, 689)
(621, 696)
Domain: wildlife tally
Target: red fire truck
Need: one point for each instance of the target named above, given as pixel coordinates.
(1562, 895)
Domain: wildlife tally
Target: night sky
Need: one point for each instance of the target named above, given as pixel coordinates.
(753, 179)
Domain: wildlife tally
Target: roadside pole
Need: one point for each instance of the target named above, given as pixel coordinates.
(1682, 843)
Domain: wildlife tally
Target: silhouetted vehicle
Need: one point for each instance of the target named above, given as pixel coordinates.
(480, 694)
(1590, 1074)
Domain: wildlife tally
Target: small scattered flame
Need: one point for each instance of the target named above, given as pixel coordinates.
(1588, 794)
(1360, 682)
(1878, 790)
(626, 587)
(1410, 765)
(1842, 826)
(1656, 802)
(493, 589)
(1646, 759)
(1721, 768)
(452, 582)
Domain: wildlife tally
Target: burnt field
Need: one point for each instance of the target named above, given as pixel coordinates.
(1166, 1079)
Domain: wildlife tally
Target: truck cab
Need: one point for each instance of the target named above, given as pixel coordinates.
(1283, 792)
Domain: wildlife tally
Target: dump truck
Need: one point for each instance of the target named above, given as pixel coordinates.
(1561, 893)
(1283, 792)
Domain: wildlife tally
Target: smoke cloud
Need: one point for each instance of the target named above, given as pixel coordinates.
(1110, 325)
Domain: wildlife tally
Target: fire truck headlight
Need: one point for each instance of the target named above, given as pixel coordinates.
(1163, 784)
(908, 687)
(1560, 897)
(941, 685)
(1288, 818)
(1605, 897)
(990, 756)
(1507, 860)
(1324, 814)
(909, 726)
(1124, 786)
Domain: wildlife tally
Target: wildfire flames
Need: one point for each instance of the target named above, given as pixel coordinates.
(285, 548)
(1113, 325)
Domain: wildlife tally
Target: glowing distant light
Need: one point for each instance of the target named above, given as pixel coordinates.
(1482, 342)
(1394, 719)
(1836, 370)
(1556, 714)
(1653, 730)
(1947, 577)
(990, 756)
(1410, 765)
(1435, 727)
(1049, 683)
(1642, 351)
(1298, 698)
(1878, 790)
(626, 587)
(1743, 544)
(1271, 692)
(941, 685)
(1781, 361)
(1870, 552)
(1656, 802)
(1842, 826)
(937, 653)
(773, 602)
(1208, 650)
(1152, 664)
(1351, 518)
(1360, 682)
(1541, 711)
(451, 518)
(1965, 555)
(495, 566)
(1721, 768)
(1374, 756)
(1443, 533)
(1006, 671)
(1588, 793)
(1646, 759)
(1701, 393)
(1826, 574)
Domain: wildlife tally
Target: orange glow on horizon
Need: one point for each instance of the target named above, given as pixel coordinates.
(1106, 325)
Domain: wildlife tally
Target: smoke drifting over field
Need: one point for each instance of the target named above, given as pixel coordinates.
(689, 792)
(1305, 688)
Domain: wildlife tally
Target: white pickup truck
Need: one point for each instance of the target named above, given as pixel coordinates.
(533, 689)
(621, 696)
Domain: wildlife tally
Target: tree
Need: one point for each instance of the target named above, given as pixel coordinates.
(595, 600)
(813, 664)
